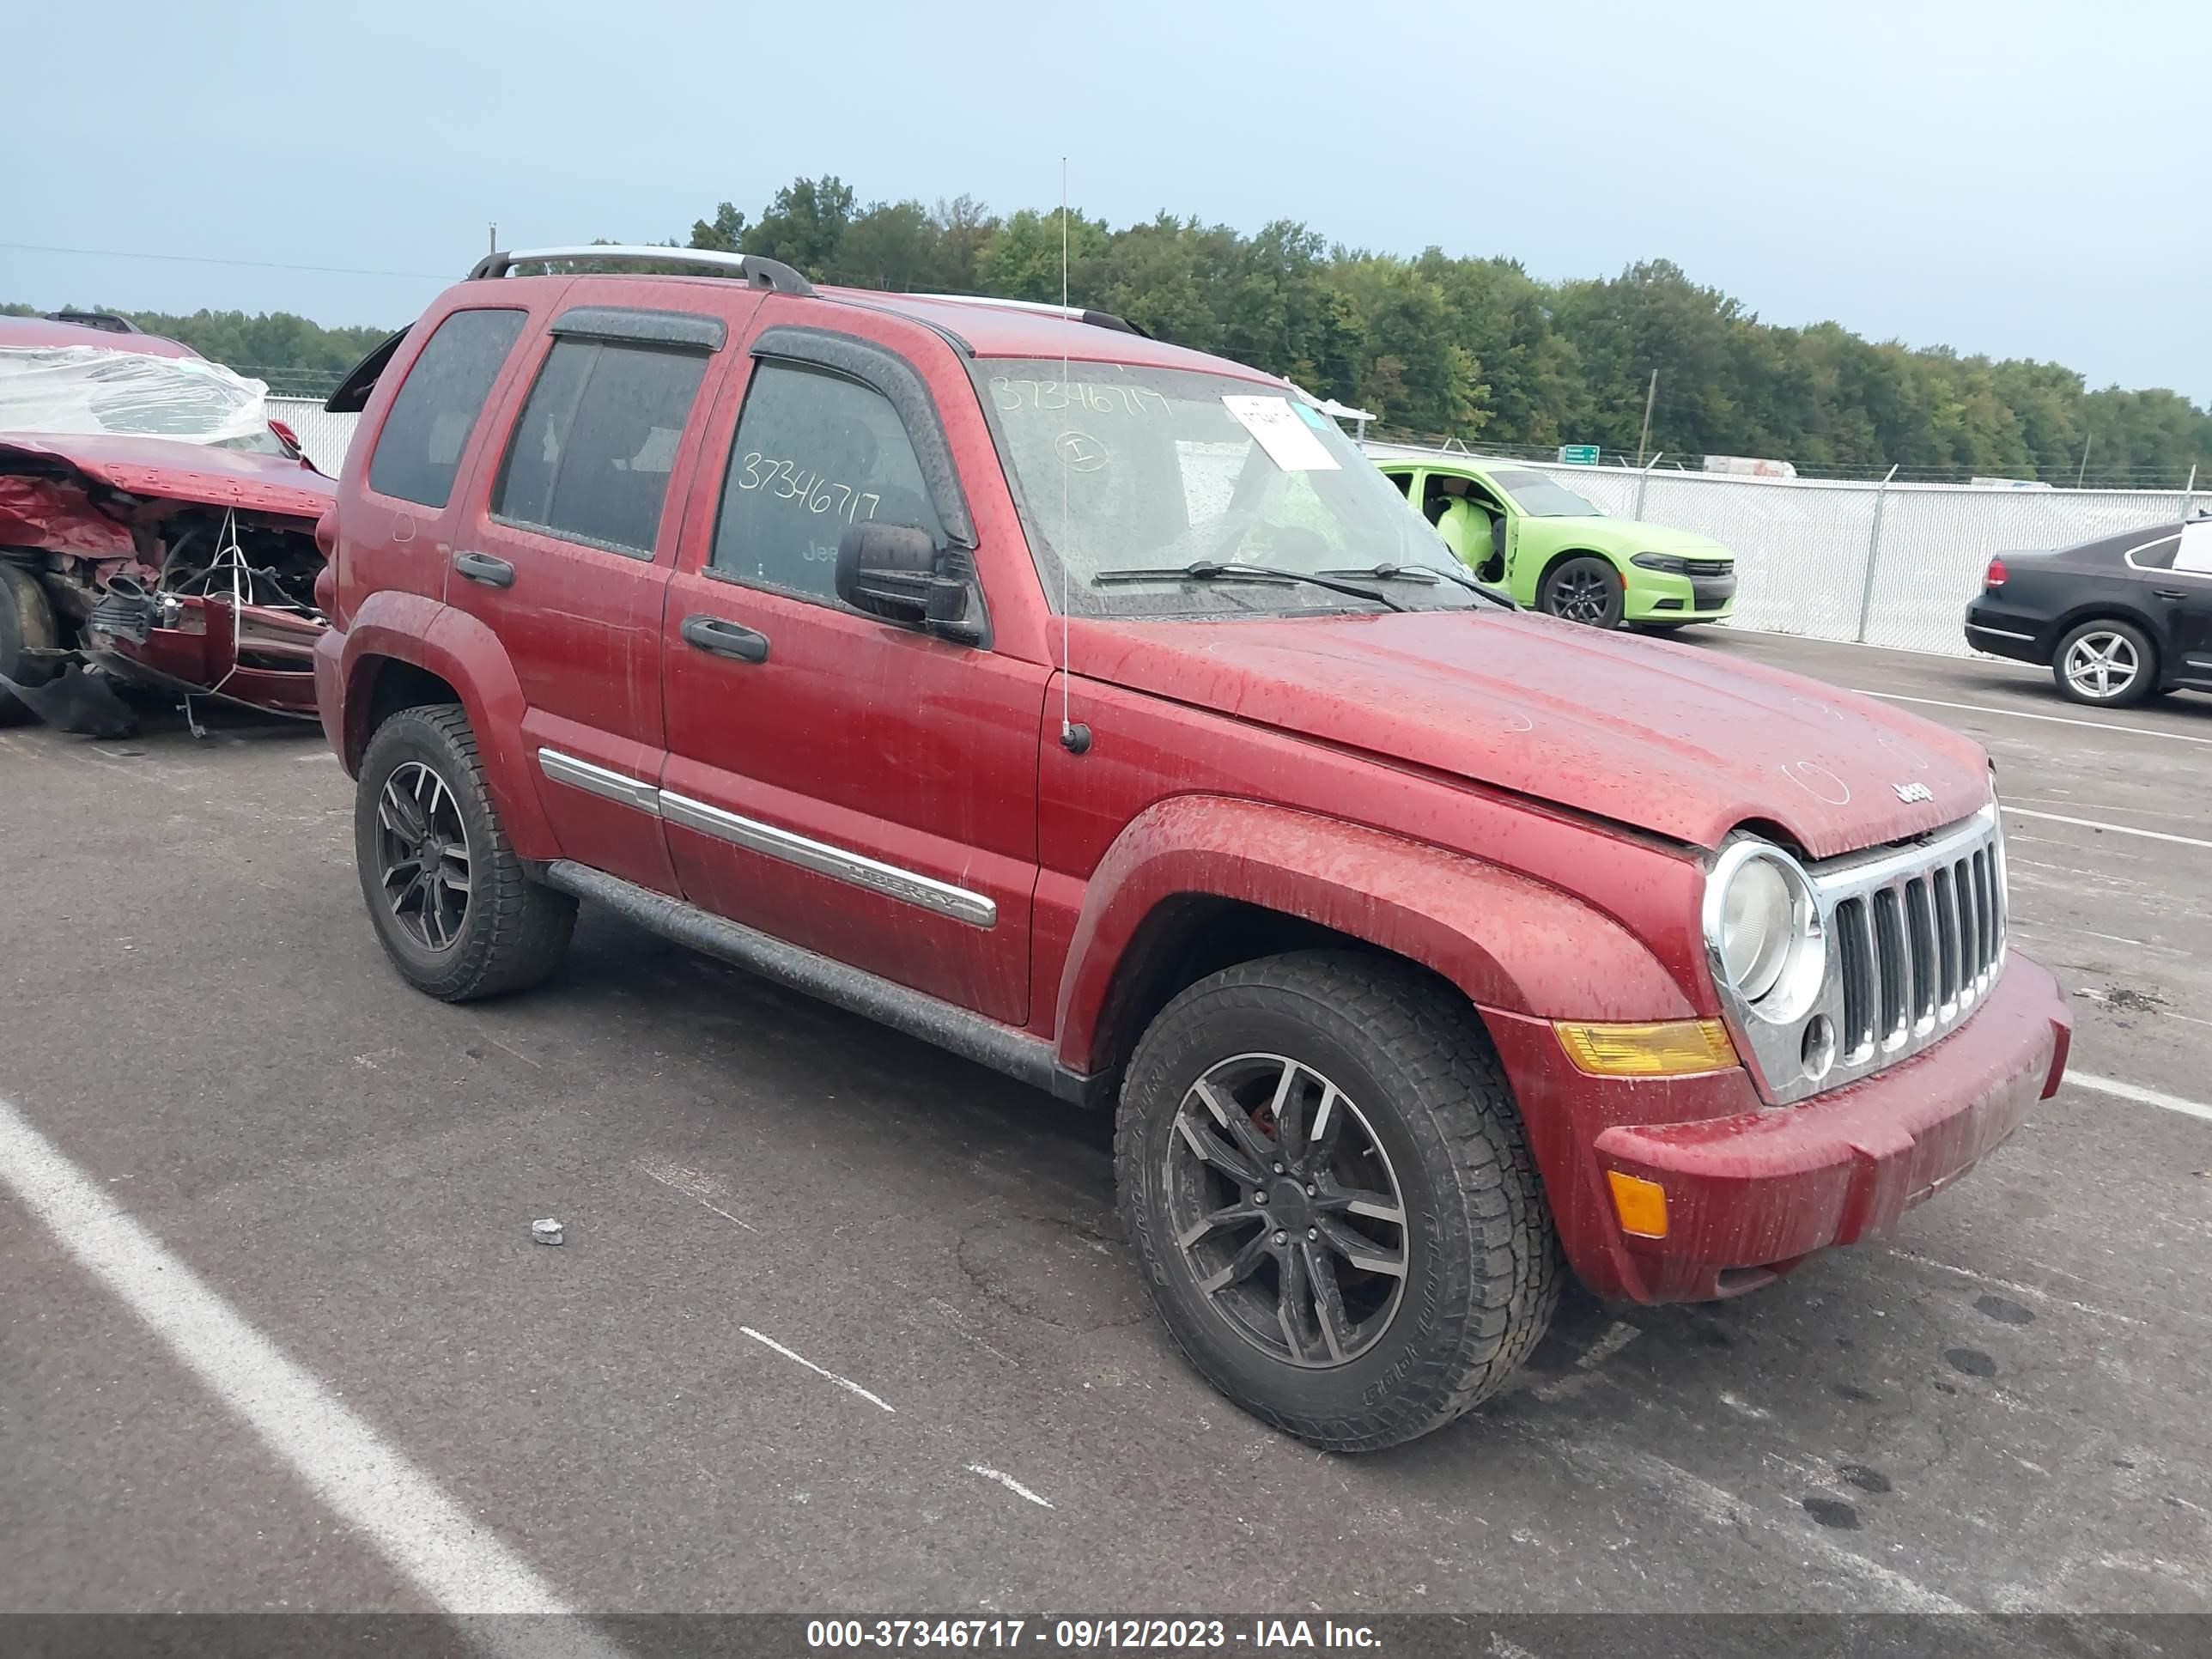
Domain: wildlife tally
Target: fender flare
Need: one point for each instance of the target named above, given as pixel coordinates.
(411, 627)
(1508, 942)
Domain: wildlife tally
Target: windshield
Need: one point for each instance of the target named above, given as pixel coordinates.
(1539, 497)
(1120, 468)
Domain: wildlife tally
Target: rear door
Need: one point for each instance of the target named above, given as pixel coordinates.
(572, 530)
(863, 790)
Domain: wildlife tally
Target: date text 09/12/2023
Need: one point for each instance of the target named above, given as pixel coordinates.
(1167, 1635)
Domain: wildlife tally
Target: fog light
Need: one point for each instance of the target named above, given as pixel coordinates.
(1818, 1049)
(1640, 1204)
(1674, 1047)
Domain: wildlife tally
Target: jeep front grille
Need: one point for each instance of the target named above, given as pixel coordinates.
(1915, 953)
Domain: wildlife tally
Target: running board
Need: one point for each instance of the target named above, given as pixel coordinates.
(1027, 1059)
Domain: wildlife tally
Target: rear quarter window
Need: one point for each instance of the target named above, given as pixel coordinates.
(419, 450)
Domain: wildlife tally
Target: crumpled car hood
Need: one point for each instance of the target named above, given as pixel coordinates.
(1670, 738)
(180, 471)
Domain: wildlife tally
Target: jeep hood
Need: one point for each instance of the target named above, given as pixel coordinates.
(1672, 738)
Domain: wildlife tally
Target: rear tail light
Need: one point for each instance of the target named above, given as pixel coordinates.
(1994, 575)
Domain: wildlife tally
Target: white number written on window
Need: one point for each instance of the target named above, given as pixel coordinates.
(814, 491)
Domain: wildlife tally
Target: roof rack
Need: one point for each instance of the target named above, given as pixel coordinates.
(1072, 314)
(107, 321)
(771, 274)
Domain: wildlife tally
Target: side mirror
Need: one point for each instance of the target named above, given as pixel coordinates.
(893, 571)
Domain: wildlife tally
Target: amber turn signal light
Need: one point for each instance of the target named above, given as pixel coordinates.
(1640, 1204)
(1674, 1047)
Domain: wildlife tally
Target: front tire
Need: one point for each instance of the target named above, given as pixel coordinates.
(1327, 1183)
(1583, 589)
(452, 906)
(2109, 665)
(27, 624)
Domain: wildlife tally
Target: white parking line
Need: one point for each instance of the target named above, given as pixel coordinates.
(2117, 828)
(2025, 714)
(1009, 1483)
(2106, 1085)
(445, 1552)
(844, 1383)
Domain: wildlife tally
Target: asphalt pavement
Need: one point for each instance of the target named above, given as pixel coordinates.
(843, 1323)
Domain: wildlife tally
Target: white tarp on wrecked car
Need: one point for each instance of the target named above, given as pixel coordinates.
(84, 390)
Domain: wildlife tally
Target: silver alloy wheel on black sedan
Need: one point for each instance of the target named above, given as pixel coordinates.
(2105, 662)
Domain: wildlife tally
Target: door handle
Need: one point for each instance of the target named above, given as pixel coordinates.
(482, 567)
(2170, 592)
(725, 639)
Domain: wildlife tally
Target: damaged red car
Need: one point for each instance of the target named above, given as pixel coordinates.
(157, 531)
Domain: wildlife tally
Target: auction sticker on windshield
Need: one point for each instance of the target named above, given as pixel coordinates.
(1289, 444)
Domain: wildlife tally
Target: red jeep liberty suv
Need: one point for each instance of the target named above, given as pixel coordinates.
(1093, 708)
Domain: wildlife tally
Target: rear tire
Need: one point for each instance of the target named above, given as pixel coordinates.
(1417, 1123)
(1583, 589)
(27, 624)
(2107, 664)
(452, 905)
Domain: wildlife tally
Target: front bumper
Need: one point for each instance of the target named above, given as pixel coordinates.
(1653, 596)
(1753, 1190)
(256, 655)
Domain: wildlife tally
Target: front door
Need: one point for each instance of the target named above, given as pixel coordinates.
(863, 790)
(567, 556)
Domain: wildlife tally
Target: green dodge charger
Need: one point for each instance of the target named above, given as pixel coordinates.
(1525, 531)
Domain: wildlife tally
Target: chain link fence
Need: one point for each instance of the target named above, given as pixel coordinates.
(1884, 564)
(323, 435)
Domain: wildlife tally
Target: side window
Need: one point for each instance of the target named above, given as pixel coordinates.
(420, 448)
(814, 454)
(1403, 480)
(589, 460)
(2155, 555)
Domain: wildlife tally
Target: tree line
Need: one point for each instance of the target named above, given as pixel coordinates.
(1436, 346)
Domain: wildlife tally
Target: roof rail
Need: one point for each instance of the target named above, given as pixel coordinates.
(771, 274)
(107, 321)
(1072, 314)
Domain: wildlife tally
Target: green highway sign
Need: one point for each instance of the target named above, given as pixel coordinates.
(1578, 454)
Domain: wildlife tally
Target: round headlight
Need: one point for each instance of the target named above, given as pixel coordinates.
(1764, 925)
(1759, 923)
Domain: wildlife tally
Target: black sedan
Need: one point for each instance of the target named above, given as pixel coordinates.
(2116, 620)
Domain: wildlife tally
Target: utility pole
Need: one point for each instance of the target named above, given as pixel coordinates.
(494, 248)
(2084, 470)
(1643, 439)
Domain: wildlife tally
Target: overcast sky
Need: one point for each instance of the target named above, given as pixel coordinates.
(2010, 177)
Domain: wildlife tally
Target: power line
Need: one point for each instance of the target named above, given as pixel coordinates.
(196, 259)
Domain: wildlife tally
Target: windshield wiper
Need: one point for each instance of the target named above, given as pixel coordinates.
(1428, 573)
(1215, 570)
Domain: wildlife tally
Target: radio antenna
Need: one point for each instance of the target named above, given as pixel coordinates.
(1067, 739)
